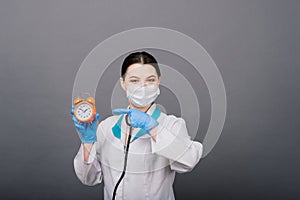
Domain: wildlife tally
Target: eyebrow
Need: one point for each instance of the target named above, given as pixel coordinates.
(138, 77)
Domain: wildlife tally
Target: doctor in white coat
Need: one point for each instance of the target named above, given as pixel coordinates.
(160, 145)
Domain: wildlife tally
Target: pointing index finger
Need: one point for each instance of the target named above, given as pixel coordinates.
(121, 111)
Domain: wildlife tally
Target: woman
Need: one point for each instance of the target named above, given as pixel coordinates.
(159, 146)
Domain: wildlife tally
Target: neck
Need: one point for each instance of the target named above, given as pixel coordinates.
(143, 109)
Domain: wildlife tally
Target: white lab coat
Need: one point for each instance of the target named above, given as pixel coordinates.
(151, 165)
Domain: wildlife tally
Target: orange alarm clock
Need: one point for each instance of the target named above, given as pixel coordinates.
(85, 110)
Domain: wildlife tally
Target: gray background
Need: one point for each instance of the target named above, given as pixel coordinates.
(255, 44)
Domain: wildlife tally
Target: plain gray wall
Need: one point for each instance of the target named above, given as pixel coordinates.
(255, 44)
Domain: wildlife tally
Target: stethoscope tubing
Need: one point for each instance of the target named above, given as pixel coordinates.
(126, 155)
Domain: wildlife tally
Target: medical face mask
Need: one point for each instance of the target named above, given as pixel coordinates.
(141, 96)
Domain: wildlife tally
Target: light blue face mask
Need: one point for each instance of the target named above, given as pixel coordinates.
(142, 96)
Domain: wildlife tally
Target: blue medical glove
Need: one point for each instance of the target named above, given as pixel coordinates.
(88, 130)
(138, 119)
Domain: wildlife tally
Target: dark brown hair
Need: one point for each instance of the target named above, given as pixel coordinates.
(139, 57)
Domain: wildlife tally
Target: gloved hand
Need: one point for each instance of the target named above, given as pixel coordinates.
(88, 130)
(138, 119)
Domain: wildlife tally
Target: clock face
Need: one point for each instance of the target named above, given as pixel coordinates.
(84, 112)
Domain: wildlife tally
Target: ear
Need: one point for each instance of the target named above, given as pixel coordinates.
(158, 80)
(122, 82)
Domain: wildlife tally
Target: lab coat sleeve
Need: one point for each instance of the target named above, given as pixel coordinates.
(174, 143)
(89, 173)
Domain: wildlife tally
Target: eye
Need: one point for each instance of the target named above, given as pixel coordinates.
(151, 80)
(133, 81)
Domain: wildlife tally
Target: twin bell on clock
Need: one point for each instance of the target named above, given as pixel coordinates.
(85, 109)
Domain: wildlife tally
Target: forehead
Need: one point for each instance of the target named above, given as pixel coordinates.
(141, 70)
